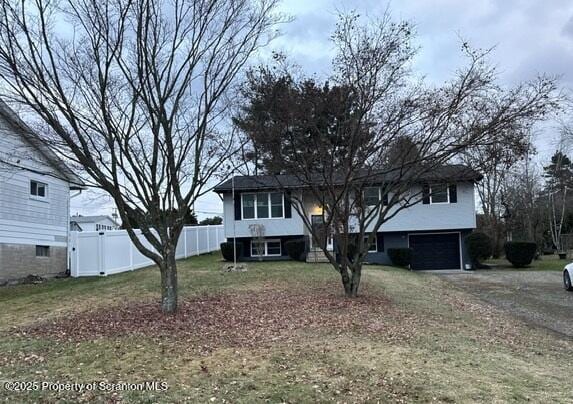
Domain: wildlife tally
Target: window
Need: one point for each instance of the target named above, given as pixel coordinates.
(439, 193)
(277, 209)
(371, 196)
(263, 205)
(372, 247)
(267, 248)
(258, 249)
(274, 247)
(248, 206)
(38, 189)
(42, 251)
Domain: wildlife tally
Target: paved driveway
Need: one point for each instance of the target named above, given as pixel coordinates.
(535, 296)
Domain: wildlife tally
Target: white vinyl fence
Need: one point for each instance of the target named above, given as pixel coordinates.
(94, 253)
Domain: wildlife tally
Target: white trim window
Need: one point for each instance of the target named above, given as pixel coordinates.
(262, 205)
(272, 248)
(439, 194)
(373, 195)
(372, 248)
(38, 190)
(42, 251)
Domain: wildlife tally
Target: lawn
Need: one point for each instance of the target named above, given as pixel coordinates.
(280, 332)
(544, 263)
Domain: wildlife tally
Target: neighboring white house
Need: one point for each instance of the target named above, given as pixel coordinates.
(434, 228)
(93, 223)
(35, 190)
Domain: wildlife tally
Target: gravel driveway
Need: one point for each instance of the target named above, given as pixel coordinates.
(535, 296)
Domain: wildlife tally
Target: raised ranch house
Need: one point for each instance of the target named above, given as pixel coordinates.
(35, 190)
(434, 228)
(93, 223)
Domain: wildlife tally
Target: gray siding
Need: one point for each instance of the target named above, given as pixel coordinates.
(400, 240)
(273, 227)
(420, 217)
(460, 215)
(24, 219)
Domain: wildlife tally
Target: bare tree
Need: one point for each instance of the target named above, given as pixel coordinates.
(559, 176)
(136, 92)
(494, 161)
(397, 136)
(524, 204)
(258, 234)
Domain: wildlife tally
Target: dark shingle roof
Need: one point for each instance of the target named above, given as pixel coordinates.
(454, 172)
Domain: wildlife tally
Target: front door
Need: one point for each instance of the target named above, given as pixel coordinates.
(321, 237)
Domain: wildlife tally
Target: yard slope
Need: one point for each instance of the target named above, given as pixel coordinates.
(281, 332)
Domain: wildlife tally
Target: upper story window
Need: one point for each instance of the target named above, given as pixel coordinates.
(439, 193)
(38, 189)
(372, 196)
(263, 205)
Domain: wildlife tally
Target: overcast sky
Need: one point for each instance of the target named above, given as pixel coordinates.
(530, 37)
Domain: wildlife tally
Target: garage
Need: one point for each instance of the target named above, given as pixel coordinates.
(435, 251)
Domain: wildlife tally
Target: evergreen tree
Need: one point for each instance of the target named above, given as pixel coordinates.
(559, 173)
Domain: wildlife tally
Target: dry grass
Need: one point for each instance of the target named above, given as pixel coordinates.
(279, 333)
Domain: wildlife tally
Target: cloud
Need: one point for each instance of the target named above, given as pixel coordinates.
(530, 36)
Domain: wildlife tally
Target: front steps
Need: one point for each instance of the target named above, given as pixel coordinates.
(316, 256)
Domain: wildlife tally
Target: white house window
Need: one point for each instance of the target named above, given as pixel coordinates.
(439, 193)
(38, 189)
(42, 251)
(267, 248)
(277, 204)
(371, 196)
(248, 206)
(372, 247)
(263, 205)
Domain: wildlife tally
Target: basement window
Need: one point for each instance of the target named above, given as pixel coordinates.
(42, 251)
(267, 248)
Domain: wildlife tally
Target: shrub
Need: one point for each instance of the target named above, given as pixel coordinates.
(520, 253)
(479, 247)
(296, 249)
(400, 257)
(227, 250)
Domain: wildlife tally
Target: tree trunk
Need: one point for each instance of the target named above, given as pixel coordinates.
(169, 283)
(351, 282)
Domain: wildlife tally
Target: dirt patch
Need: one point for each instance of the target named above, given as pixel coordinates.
(240, 319)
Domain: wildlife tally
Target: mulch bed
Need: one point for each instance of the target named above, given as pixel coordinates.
(236, 318)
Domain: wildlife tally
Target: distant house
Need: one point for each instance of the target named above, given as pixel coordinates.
(93, 223)
(35, 190)
(433, 229)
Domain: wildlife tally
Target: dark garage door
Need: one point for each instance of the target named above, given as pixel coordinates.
(435, 251)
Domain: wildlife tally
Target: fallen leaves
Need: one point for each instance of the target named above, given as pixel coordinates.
(240, 319)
